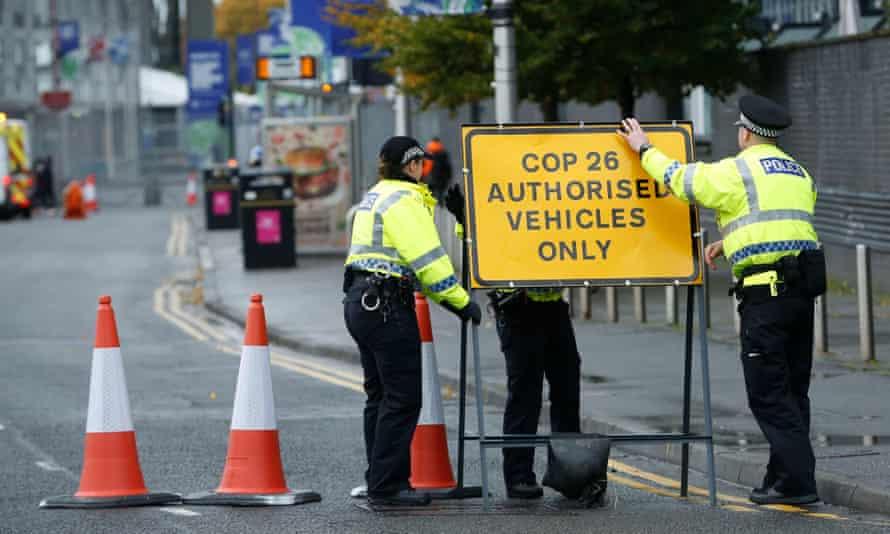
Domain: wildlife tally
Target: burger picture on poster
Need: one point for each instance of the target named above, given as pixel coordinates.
(318, 156)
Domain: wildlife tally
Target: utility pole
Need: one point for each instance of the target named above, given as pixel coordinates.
(504, 60)
(401, 107)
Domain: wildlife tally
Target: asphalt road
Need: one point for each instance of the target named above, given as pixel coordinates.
(181, 367)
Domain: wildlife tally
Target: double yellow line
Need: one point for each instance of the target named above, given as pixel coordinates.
(168, 305)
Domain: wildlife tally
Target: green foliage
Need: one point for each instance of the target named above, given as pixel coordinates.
(591, 51)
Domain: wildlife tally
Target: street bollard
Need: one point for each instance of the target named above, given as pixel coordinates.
(863, 289)
(820, 325)
(670, 304)
(585, 302)
(611, 305)
(640, 303)
(706, 280)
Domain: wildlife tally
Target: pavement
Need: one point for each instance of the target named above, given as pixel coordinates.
(632, 371)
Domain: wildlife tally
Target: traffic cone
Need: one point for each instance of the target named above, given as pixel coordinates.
(72, 198)
(191, 190)
(90, 201)
(111, 476)
(430, 464)
(253, 475)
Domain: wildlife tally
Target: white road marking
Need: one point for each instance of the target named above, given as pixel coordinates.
(2, 427)
(179, 511)
(49, 466)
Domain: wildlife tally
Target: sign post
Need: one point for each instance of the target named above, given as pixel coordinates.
(566, 205)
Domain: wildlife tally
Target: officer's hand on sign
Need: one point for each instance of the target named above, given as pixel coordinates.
(633, 133)
(454, 202)
(712, 252)
(471, 312)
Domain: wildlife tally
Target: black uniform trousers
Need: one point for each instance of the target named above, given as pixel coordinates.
(777, 358)
(391, 360)
(537, 340)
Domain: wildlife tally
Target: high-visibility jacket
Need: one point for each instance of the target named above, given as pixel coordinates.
(393, 233)
(536, 294)
(763, 198)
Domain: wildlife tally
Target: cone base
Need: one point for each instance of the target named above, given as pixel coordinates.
(146, 499)
(252, 499)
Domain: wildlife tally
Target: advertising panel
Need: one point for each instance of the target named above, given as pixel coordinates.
(318, 151)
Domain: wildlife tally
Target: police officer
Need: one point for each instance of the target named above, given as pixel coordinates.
(538, 341)
(765, 202)
(395, 246)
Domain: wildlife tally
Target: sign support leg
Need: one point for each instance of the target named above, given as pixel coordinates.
(706, 393)
(462, 387)
(687, 390)
(480, 414)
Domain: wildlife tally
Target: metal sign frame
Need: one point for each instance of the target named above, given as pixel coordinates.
(696, 290)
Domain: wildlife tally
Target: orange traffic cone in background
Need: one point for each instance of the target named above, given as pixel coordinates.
(90, 200)
(72, 198)
(191, 190)
(253, 474)
(430, 464)
(111, 475)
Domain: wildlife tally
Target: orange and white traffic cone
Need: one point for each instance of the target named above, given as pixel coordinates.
(253, 475)
(111, 475)
(72, 198)
(90, 200)
(191, 190)
(430, 464)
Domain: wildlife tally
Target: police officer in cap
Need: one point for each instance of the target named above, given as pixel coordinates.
(765, 202)
(538, 341)
(395, 247)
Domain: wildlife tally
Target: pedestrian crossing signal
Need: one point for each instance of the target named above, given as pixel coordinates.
(308, 69)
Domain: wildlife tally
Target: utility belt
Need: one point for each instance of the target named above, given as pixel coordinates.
(802, 275)
(377, 291)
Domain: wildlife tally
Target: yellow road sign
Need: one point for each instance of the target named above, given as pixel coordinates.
(570, 204)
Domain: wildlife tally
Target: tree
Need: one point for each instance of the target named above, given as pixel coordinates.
(591, 51)
(236, 17)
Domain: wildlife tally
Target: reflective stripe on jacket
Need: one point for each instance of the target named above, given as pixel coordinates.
(764, 201)
(393, 233)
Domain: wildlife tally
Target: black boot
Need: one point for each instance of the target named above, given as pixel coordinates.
(400, 498)
(525, 490)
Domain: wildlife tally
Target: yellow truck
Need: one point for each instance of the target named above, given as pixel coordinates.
(16, 182)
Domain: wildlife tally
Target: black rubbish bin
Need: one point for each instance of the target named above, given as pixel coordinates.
(221, 197)
(267, 219)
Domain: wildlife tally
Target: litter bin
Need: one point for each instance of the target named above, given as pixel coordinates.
(221, 197)
(267, 219)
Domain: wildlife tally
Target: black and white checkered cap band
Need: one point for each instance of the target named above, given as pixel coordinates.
(412, 153)
(759, 130)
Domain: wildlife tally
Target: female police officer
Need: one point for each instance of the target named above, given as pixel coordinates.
(394, 246)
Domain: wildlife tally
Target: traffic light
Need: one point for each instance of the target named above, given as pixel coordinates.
(308, 68)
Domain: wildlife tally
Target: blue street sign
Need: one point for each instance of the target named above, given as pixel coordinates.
(208, 74)
(119, 49)
(245, 57)
(69, 36)
(437, 7)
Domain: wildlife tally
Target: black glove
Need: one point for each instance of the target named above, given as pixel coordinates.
(471, 312)
(454, 202)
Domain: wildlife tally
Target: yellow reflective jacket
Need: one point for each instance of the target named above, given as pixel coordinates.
(393, 233)
(764, 201)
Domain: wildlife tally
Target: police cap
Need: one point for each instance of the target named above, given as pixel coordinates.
(762, 116)
(399, 150)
